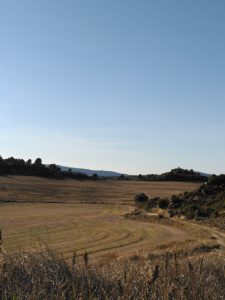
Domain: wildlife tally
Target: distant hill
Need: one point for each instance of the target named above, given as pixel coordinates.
(177, 174)
(17, 166)
(174, 174)
(100, 173)
(204, 174)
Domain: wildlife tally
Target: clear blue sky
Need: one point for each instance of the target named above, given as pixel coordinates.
(131, 86)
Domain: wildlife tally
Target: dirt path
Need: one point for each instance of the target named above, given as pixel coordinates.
(214, 232)
(205, 233)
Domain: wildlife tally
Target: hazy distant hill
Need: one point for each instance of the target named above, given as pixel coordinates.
(89, 172)
(103, 173)
(205, 174)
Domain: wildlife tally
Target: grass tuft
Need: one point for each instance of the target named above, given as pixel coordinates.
(48, 276)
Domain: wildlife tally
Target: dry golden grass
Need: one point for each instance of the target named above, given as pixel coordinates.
(99, 229)
(73, 215)
(34, 189)
(162, 258)
(38, 276)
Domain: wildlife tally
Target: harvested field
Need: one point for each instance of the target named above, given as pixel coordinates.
(34, 189)
(87, 216)
(69, 227)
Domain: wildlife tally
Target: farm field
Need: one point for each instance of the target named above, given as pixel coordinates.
(35, 189)
(95, 228)
(70, 215)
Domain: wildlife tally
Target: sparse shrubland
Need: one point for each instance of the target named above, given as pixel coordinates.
(206, 204)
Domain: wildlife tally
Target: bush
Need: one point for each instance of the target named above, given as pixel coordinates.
(216, 180)
(154, 202)
(176, 202)
(189, 210)
(141, 198)
(202, 213)
(163, 203)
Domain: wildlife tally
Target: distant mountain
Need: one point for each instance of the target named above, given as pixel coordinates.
(100, 173)
(103, 173)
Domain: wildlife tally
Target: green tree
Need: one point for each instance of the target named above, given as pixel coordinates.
(38, 162)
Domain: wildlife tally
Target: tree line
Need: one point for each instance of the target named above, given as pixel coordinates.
(177, 174)
(17, 166)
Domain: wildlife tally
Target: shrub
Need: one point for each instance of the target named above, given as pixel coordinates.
(153, 202)
(215, 180)
(141, 198)
(176, 202)
(189, 210)
(163, 203)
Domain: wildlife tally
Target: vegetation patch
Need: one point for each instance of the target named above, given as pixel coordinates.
(47, 276)
(204, 204)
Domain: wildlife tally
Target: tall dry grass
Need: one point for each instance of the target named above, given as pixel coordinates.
(48, 276)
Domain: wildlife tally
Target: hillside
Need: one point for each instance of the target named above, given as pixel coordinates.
(89, 172)
(205, 204)
(17, 166)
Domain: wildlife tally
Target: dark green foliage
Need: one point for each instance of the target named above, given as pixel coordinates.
(163, 203)
(153, 202)
(13, 166)
(123, 177)
(38, 162)
(178, 174)
(95, 176)
(176, 202)
(141, 198)
(141, 177)
(189, 210)
(220, 179)
(207, 201)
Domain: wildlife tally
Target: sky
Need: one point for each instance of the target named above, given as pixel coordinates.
(135, 86)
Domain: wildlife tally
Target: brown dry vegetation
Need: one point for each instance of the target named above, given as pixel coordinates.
(139, 257)
(47, 276)
(34, 189)
(70, 215)
(99, 229)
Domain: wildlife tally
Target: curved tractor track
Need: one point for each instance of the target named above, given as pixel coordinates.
(97, 229)
(68, 216)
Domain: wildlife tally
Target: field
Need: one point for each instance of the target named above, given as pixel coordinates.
(34, 189)
(80, 216)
